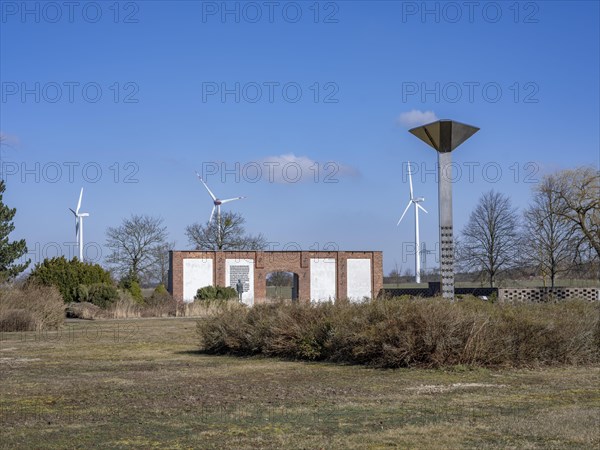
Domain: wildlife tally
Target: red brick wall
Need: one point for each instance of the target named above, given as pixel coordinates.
(266, 262)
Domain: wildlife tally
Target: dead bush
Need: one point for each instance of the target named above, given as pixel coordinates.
(31, 308)
(125, 307)
(83, 310)
(158, 305)
(161, 304)
(17, 320)
(411, 333)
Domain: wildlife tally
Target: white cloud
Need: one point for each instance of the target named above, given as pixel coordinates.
(289, 168)
(9, 140)
(416, 117)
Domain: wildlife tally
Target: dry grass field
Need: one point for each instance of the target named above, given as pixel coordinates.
(143, 384)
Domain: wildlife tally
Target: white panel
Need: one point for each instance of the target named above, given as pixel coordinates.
(197, 273)
(322, 279)
(359, 279)
(241, 269)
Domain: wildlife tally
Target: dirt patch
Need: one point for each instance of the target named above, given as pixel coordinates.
(17, 360)
(438, 389)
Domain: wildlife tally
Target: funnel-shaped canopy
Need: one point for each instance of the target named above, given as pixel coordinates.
(444, 135)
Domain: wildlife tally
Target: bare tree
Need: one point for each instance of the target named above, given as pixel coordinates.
(233, 235)
(578, 197)
(160, 271)
(134, 245)
(550, 238)
(394, 274)
(280, 279)
(490, 238)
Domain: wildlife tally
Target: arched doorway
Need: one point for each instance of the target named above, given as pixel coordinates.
(281, 285)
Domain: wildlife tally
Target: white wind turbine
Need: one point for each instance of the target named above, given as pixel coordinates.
(216, 205)
(414, 201)
(79, 225)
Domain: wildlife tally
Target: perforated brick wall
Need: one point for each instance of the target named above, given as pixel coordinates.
(544, 295)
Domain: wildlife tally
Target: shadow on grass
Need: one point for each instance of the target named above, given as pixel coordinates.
(222, 355)
(192, 352)
(225, 355)
(279, 359)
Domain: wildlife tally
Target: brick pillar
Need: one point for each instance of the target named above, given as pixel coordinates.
(377, 272)
(170, 282)
(260, 278)
(304, 278)
(341, 276)
(219, 268)
(176, 274)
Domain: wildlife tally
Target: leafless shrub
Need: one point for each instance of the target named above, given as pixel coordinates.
(31, 308)
(124, 308)
(82, 310)
(411, 333)
(162, 305)
(17, 320)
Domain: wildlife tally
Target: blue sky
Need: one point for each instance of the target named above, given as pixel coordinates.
(136, 91)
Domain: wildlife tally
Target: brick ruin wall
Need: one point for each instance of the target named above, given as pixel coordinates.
(266, 262)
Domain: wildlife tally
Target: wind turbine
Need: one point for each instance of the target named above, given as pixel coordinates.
(79, 225)
(414, 201)
(216, 205)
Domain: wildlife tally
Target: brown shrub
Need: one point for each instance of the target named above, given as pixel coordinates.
(31, 308)
(161, 304)
(82, 310)
(158, 305)
(294, 330)
(17, 320)
(411, 332)
(124, 308)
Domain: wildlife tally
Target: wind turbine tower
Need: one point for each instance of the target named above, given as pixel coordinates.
(79, 225)
(414, 201)
(217, 205)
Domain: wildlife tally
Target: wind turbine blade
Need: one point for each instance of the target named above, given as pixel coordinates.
(410, 180)
(79, 202)
(404, 213)
(77, 229)
(84, 215)
(231, 199)
(212, 213)
(419, 206)
(74, 213)
(206, 186)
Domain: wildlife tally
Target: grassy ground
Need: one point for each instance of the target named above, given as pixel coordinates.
(142, 384)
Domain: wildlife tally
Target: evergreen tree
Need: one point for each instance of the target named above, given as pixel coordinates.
(72, 278)
(9, 251)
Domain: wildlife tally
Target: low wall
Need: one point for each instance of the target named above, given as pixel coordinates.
(542, 295)
(535, 295)
(432, 289)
